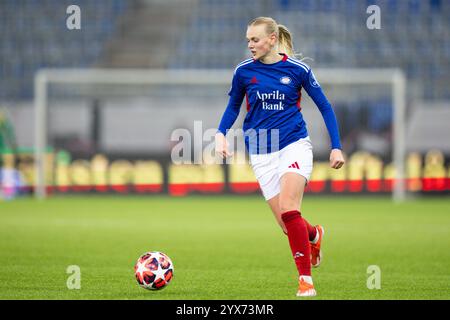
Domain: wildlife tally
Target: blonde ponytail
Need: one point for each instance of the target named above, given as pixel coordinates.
(285, 41)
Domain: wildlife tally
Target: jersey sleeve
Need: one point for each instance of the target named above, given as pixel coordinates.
(312, 87)
(236, 93)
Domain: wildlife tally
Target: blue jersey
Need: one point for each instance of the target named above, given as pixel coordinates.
(273, 93)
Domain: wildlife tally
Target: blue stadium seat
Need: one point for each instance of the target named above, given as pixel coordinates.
(34, 37)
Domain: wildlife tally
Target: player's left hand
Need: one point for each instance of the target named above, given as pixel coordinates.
(336, 159)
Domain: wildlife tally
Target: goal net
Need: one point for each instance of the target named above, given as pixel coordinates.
(152, 131)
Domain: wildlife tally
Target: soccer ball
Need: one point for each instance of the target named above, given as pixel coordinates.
(153, 270)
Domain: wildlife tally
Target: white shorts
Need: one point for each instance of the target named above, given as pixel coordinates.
(269, 168)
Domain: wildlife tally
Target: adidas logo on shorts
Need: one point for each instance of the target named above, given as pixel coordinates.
(294, 165)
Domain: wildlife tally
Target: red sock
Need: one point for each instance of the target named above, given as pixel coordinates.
(298, 240)
(312, 231)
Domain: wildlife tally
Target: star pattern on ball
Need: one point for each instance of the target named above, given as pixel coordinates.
(159, 273)
(140, 269)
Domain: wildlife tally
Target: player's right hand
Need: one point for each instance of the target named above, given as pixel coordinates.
(222, 146)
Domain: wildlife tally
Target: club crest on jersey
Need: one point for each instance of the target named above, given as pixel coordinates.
(285, 80)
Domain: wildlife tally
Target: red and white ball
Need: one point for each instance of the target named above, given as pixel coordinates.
(153, 270)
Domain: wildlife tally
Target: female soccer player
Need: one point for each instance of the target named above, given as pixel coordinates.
(276, 135)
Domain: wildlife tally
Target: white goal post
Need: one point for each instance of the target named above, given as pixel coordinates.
(43, 78)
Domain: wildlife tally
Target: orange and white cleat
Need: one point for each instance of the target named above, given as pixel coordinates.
(316, 252)
(305, 289)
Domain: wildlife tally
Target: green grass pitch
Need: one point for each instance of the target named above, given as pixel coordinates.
(222, 247)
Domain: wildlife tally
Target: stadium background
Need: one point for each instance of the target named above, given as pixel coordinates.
(103, 144)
